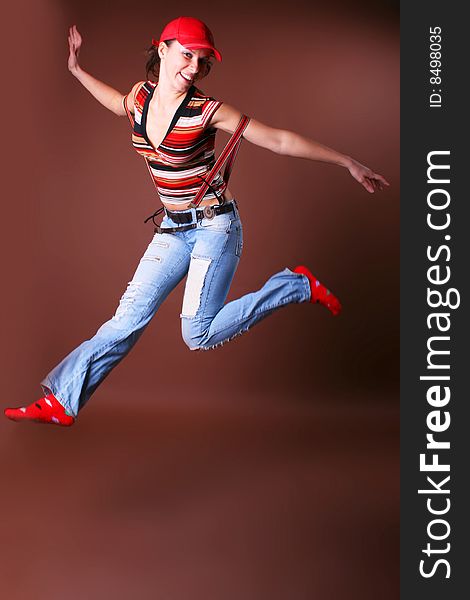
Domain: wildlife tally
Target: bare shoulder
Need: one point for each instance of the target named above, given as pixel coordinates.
(226, 118)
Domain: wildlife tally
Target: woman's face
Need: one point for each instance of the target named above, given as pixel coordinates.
(181, 66)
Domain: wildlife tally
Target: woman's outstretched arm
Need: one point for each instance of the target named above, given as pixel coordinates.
(105, 94)
(289, 143)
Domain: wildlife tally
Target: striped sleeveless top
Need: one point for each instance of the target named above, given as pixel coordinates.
(187, 151)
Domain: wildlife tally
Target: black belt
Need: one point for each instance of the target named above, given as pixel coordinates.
(208, 212)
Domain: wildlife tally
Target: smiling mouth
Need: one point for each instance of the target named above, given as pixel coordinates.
(186, 78)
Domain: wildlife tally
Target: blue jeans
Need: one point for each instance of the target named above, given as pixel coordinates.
(209, 256)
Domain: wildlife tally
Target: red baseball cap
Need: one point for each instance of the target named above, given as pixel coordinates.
(191, 33)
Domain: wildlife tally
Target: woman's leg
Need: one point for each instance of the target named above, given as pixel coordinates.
(161, 268)
(206, 321)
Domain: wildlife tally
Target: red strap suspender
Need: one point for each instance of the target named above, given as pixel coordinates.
(227, 156)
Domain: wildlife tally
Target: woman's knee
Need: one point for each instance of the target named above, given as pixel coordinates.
(191, 334)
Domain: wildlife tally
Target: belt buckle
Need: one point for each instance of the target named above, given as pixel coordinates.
(208, 212)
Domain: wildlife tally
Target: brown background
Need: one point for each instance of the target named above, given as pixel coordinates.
(267, 469)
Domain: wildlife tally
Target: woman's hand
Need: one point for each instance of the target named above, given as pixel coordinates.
(366, 177)
(75, 42)
(106, 95)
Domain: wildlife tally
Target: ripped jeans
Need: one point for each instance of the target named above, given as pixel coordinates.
(209, 256)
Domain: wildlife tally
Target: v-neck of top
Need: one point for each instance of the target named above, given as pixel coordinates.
(174, 120)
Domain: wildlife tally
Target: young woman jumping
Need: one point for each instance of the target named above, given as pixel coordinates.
(200, 236)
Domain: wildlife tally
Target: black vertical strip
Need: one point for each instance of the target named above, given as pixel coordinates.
(179, 111)
(423, 130)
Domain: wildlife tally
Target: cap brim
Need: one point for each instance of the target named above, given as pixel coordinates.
(215, 52)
